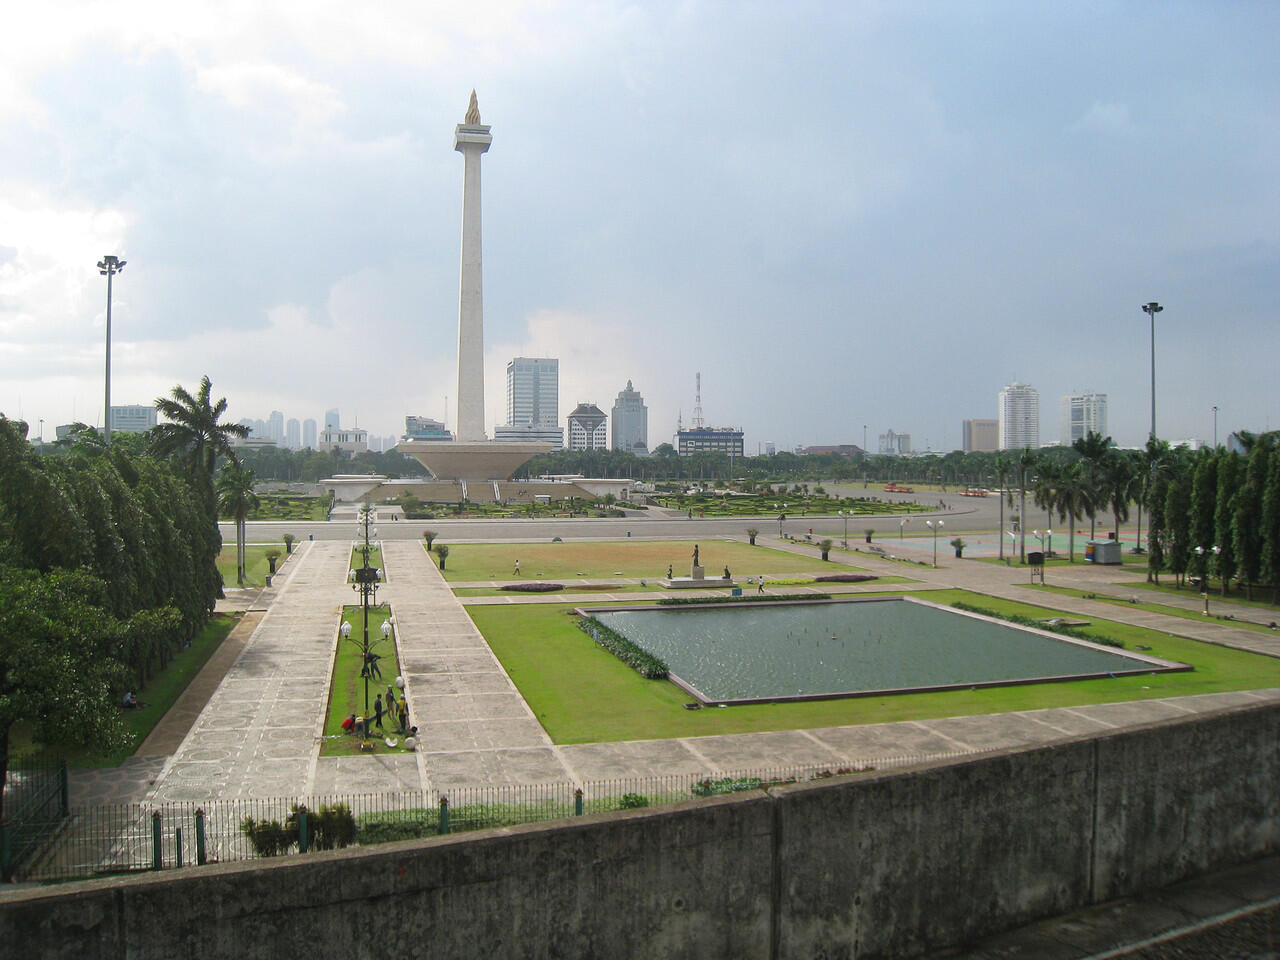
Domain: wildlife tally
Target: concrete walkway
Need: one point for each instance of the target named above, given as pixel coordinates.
(259, 733)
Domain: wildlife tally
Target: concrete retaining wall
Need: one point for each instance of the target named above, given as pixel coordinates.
(880, 865)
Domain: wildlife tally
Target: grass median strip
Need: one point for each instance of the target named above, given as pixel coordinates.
(347, 686)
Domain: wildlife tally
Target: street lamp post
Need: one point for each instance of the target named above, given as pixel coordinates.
(109, 266)
(901, 525)
(1151, 309)
(1215, 428)
(845, 515)
(365, 580)
(935, 525)
(1202, 563)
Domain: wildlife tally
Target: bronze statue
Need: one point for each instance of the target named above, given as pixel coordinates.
(695, 555)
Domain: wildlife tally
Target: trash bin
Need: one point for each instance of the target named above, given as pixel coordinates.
(736, 591)
(1106, 552)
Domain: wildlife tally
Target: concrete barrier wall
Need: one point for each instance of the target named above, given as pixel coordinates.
(889, 864)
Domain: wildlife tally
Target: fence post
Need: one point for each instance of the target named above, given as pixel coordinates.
(200, 857)
(444, 814)
(157, 844)
(302, 828)
(64, 787)
(6, 851)
(577, 802)
(177, 838)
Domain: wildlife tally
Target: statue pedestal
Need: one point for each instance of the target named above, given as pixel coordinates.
(697, 573)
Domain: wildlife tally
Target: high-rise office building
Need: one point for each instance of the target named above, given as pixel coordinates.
(293, 434)
(309, 434)
(1019, 417)
(1082, 414)
(588, 429)
(981, 436)
(895, 444)
(331, 419)
(425, 428)
(630, 422)
(533, 401)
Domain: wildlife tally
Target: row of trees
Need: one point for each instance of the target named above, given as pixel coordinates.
(1209, 513)
(107, 566)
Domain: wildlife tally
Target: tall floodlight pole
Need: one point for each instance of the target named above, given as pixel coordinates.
(1151, 309)
(108, 266)
(1215, 428)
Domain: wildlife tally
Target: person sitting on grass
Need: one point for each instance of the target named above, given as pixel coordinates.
(349, 724)
(130, 702)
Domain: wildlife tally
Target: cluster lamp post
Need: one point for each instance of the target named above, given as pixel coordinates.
(1151, 309)
(365, 580)
(934, 525)
(1202, 562)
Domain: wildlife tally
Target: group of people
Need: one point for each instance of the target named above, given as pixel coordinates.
(394, 709)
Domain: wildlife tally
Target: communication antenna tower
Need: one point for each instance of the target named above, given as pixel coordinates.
(698, 422)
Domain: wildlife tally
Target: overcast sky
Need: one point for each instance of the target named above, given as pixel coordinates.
(842, 213)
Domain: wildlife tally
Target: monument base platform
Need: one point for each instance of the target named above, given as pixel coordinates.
(696, 583)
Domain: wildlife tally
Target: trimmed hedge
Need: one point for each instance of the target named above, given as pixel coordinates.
(1075, 632)
(749, 598)
(638, 659)
(534, 586)
(846, 578)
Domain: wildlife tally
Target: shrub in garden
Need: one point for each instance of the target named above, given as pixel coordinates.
(1041, 625)
(639, 660)
(269, 838)
(532, 586)
(846, 578)
(632, 801)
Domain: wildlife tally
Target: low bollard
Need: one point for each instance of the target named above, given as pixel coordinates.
(157, 843)
(444, 814)
(577, 802)
(177, 844)
(302, 828)
(200, 855)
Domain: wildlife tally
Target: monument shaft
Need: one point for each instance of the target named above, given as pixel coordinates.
(471, 139)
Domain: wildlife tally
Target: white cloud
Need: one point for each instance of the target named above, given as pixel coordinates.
(1105, 118)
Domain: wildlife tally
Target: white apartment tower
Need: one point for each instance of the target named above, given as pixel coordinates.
(1082, 414)
(1019, 417)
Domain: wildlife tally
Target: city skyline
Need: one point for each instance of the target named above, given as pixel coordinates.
(987, 228)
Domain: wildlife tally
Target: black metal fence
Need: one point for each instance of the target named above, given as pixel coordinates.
(35, 805)
(124, 838)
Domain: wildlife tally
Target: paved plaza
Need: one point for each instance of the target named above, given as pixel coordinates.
(260, 730)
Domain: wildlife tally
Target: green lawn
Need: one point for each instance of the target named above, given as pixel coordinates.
(581, 694)
(1261, 601)
(347, 687)
(158, 696)
(375, 559)
(255, 561)
(623, 558)
(284, 507)
(767, 508)
(1152, 607)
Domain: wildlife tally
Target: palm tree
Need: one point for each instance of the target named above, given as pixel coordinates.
(1000, 470)
(1118, 479)
(1026, 463)
(1073, 499)
(193, 429)
(236, 497)
(1093, 448)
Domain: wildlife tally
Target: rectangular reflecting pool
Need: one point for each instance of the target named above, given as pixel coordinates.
(735, 653)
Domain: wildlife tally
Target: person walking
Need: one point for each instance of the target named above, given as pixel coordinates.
(517, 568)
(377, 711)
(760, 589)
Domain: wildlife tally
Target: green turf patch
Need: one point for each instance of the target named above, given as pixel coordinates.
(623, 558)
(1262, 595)
(255, 561)
(1164, 608)
(347, 687)
(157, 696)
(582, 694)
(356, 561)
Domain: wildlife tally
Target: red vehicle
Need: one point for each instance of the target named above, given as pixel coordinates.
(974, 492)
(897, 488)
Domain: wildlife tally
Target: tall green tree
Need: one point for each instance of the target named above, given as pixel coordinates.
(236, 497)
(1177, 521)
(1117, 482)
(1152, 458)
(1229, 480)
(1073, 498)
(1246, 518)
(1204, 504)
(1270, 561)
